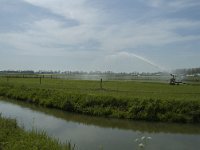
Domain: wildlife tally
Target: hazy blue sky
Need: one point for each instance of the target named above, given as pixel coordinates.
(89, 35)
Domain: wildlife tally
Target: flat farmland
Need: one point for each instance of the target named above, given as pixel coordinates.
(137, 100)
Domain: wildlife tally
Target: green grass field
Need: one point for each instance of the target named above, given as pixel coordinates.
(130, 89)
(121, 99)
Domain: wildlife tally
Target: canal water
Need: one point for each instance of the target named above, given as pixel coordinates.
(93, 133)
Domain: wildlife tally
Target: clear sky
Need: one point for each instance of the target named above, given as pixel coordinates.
(90, 35)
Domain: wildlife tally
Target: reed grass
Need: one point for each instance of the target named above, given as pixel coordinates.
(12, 137)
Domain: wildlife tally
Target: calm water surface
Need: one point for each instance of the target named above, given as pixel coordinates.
(92, 133)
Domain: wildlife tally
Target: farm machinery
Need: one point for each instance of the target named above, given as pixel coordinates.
(173, 80)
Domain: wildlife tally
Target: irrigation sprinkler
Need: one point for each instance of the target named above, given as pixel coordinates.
(173, 80)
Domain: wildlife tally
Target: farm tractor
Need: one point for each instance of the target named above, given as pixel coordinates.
(173, 80)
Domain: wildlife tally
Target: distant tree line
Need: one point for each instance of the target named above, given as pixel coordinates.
(190, 71)
(17, 72)
(67, 72)
(78, 73)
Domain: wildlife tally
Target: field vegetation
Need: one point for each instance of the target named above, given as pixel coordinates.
(12, 137)
(151, 101)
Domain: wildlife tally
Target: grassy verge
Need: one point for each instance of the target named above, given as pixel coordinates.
(138, 101)
(14, 138)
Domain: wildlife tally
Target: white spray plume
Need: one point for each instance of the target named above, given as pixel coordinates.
(133, 55)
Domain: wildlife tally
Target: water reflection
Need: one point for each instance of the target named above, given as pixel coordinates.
(150, 127)
(93, 132)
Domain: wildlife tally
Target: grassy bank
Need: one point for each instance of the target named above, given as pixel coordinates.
(130, 100)
(14, 138)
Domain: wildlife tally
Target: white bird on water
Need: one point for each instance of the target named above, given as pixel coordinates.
(142, 138)
(149, 138)
(141, 145)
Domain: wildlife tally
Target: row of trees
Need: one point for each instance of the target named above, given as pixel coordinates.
(66, 72)
(190, 71)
